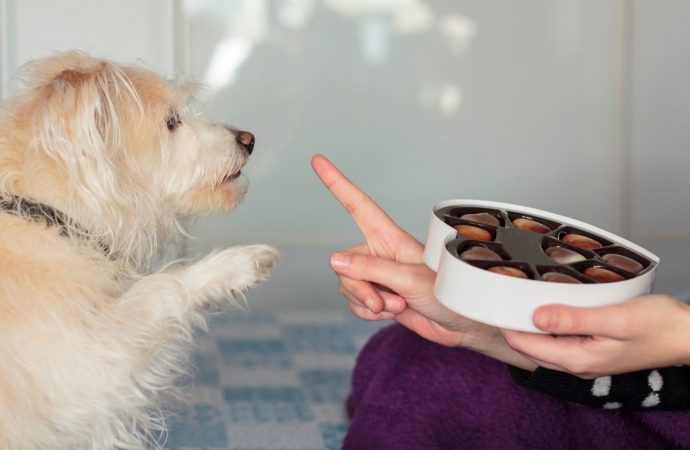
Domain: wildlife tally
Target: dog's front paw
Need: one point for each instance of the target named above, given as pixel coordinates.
(266, 257)
(229, 272)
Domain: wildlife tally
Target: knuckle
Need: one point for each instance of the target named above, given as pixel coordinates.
(367, 264)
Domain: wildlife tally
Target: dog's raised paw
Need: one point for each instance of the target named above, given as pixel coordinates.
(231, 271)
(266, 257)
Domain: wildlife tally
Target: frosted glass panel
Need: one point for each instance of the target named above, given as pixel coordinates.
(660, 135)
(126, 30)
(416, 101)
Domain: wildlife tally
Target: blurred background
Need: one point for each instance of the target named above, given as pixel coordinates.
(579, 107)
(573, 106)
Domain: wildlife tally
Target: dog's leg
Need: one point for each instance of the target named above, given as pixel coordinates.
(160, 310)
(212, 283)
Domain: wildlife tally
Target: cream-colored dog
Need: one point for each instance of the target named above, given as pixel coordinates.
(98, 163)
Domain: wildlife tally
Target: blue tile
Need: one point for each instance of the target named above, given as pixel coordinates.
(263, 405)
(234, 316)
(206, 368)
(326, 385)
(264, 394)
(203, 427)
(207, 426)
(333, 435)
(253, 353)
(329, 338)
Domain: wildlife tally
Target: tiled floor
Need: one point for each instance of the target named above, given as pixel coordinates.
(271, 381)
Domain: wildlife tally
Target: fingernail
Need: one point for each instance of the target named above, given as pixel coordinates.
(387, 315)
(340, 260)
(545, 319)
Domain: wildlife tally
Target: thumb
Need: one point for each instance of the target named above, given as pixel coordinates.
(393, 275)
(600, 321)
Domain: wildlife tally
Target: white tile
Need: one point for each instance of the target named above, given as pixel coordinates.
(275, 436)
(323, 361)
(332, 413)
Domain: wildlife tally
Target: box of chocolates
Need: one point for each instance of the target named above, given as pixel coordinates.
(496, 262)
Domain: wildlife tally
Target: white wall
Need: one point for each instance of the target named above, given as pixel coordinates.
(574, 106)
(124, 30)
(660, 135)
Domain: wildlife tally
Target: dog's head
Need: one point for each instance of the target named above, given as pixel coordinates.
(115, 146)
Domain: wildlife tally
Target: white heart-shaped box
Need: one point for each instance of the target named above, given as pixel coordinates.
(509, 302)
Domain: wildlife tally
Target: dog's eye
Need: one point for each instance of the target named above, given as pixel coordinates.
(173, 121)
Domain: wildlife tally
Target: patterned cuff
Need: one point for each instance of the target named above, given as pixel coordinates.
(660, 389)
(561, 385)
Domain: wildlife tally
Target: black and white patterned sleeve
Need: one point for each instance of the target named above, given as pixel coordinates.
(659, 389)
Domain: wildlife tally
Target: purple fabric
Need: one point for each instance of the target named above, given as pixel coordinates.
(408, 393)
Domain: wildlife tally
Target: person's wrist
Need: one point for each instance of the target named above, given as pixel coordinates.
(488, 341)
(481, 338)
(685, 326)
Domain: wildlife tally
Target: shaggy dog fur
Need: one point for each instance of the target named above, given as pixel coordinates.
(89, 338)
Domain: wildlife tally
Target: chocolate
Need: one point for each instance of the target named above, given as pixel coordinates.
(556, 277)
(601, 275)
(580, 241)
(531, 225)
(475, 233)
(563, 255)
(485, 218)
(478, 253)
(623, 262)
(508, 271)
(538, 248)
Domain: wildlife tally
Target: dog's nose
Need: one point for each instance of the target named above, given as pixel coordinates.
(247, 140)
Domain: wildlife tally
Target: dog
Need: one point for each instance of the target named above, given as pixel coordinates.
(100, 164)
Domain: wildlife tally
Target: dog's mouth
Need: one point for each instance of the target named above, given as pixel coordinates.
(231, 177)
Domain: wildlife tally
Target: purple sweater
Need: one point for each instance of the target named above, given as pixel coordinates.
(409, 393)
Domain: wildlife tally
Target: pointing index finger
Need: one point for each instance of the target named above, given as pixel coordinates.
(367, 215)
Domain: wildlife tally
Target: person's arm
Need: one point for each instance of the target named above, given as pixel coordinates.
(642, 333)
(632, 355)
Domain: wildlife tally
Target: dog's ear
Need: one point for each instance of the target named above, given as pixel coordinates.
(75, 84)
(79, 126)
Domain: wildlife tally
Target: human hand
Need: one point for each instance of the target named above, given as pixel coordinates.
(411, 284)
(643, 333)
(386, 278)
(383, 237)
